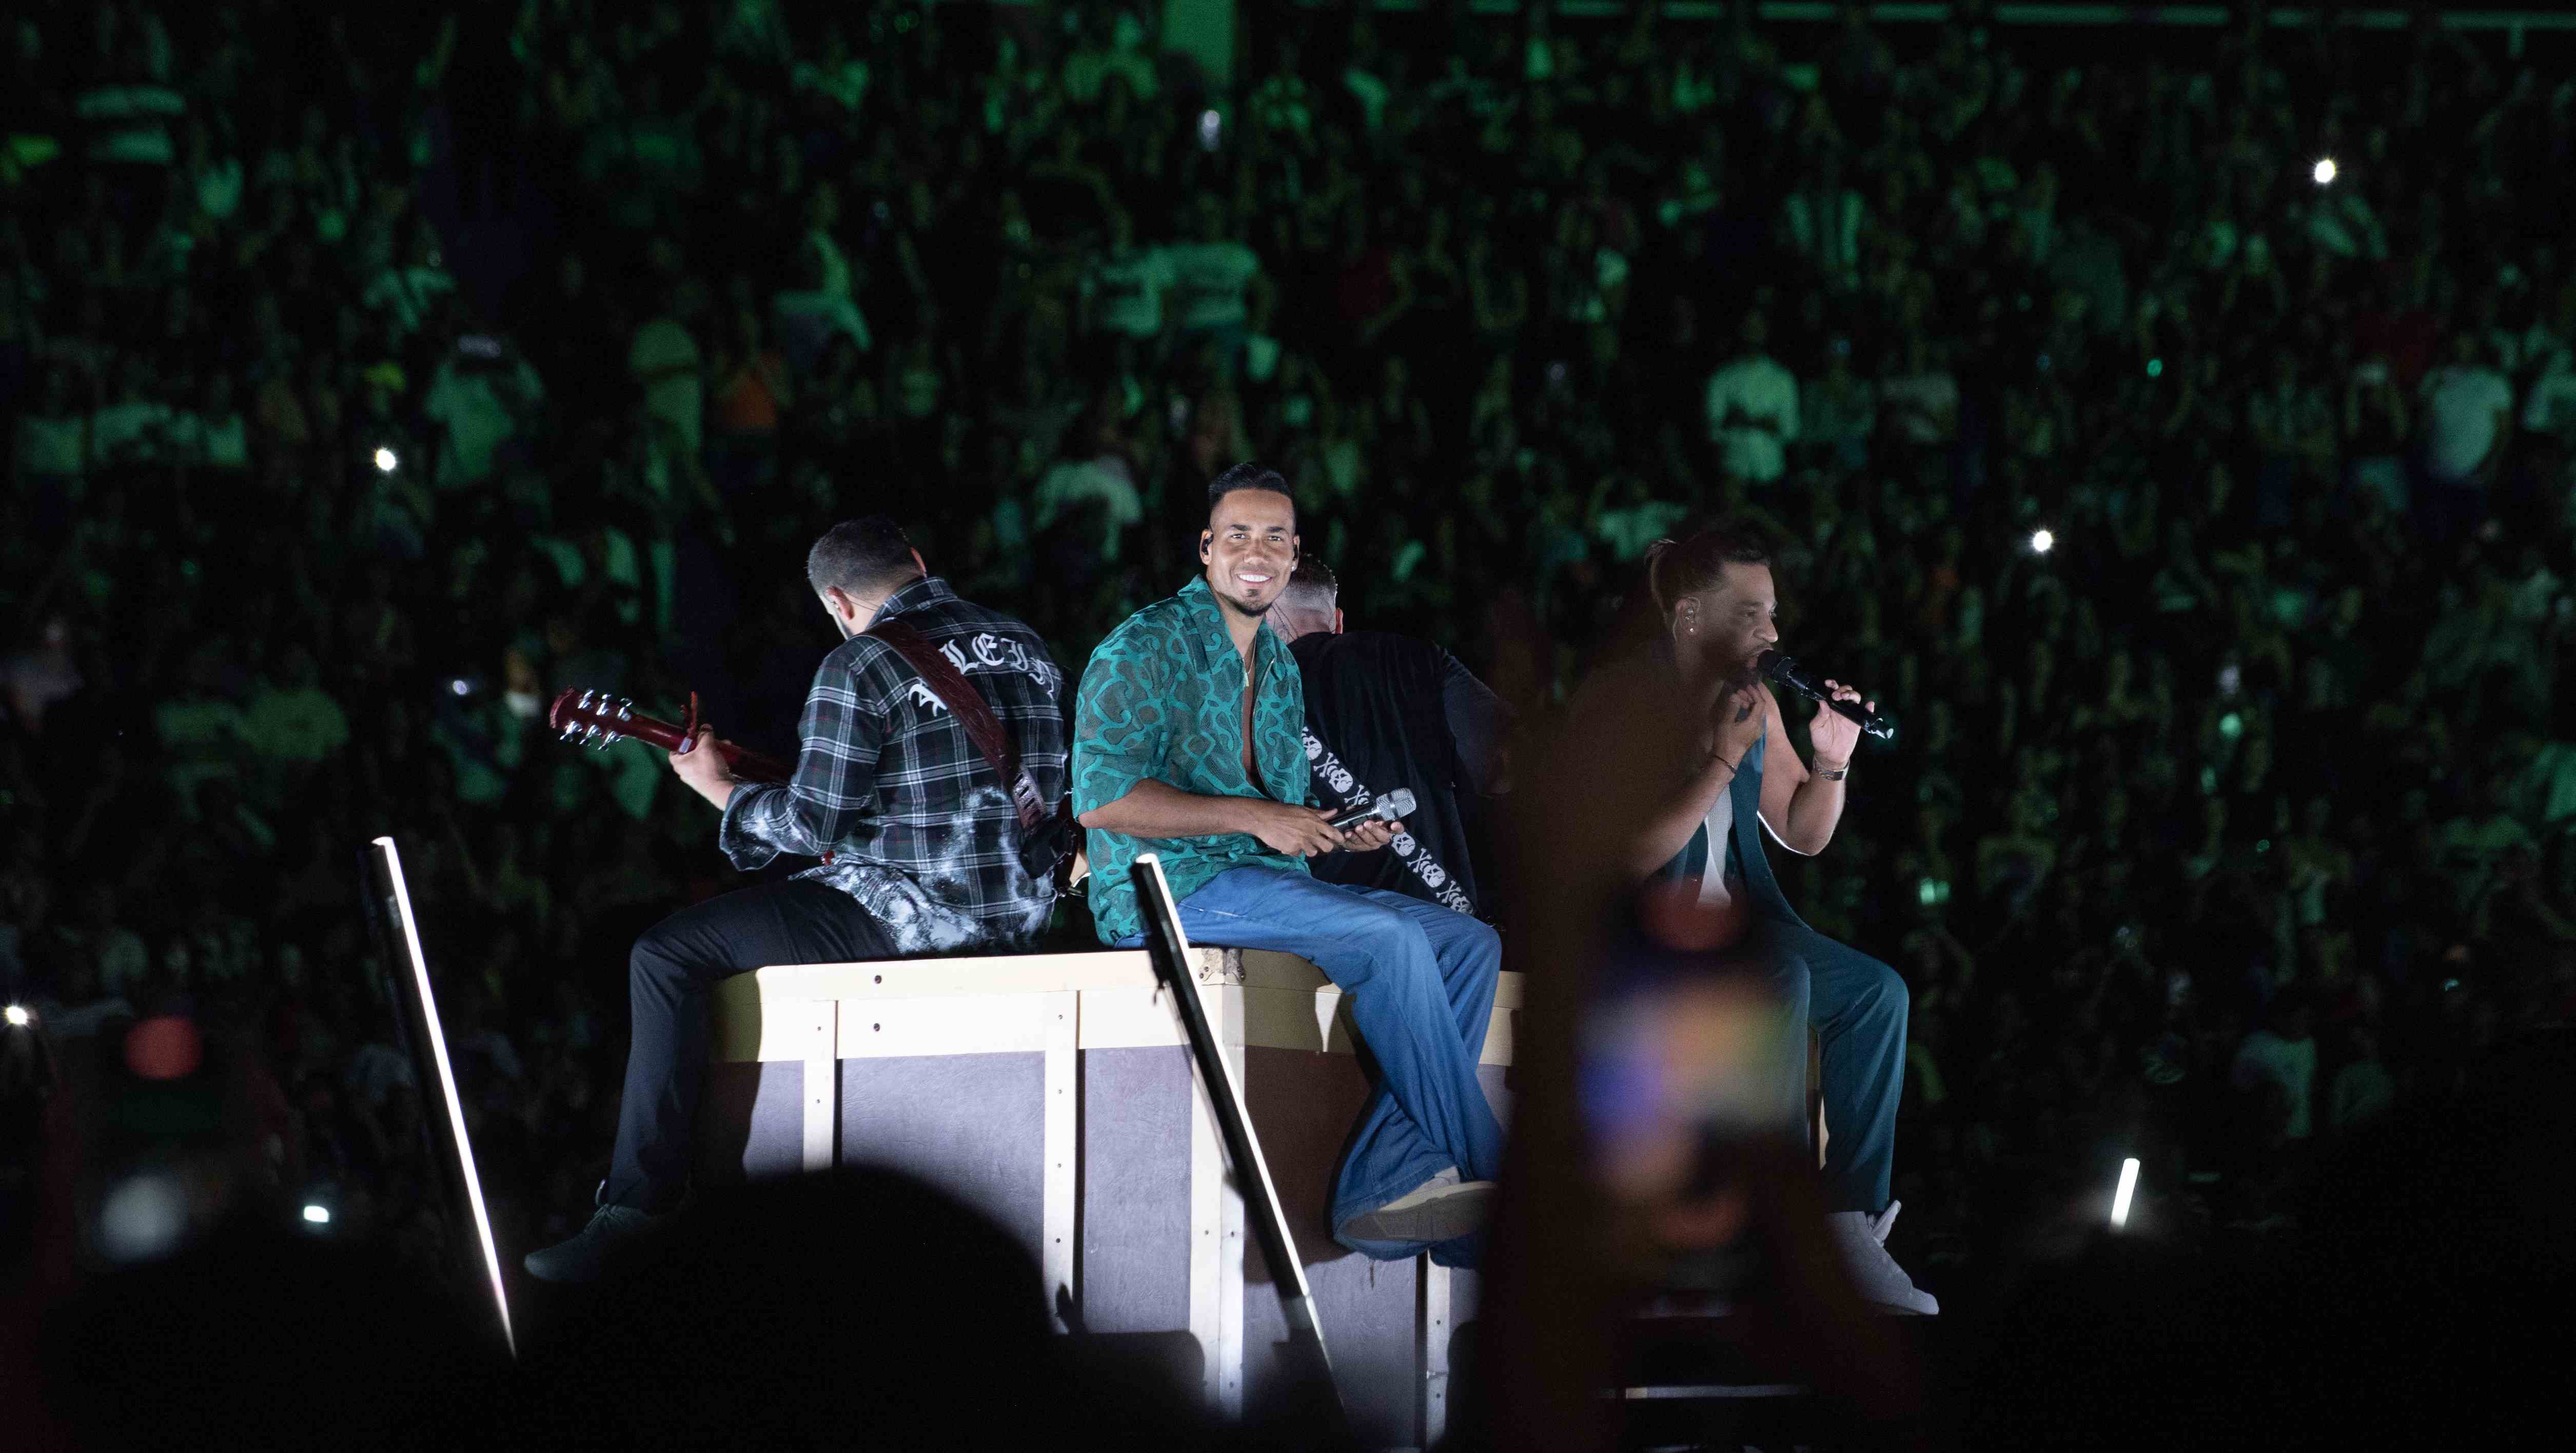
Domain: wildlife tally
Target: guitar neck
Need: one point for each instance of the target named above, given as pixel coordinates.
(748, 765)
(653, 731)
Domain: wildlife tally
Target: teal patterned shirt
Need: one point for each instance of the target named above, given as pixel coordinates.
(1163, 698)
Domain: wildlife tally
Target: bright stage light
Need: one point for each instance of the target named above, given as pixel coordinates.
(318, 1215)
(2041, 542)
(2325, 171)
(19, 1018)
(2120, 1198)
(144, 1217)
(385, 460)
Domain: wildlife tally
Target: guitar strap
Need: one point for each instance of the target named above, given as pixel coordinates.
(982, 727)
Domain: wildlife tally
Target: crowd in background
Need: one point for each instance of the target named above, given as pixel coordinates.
(366, 383)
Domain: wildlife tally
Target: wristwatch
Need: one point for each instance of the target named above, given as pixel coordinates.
(1836, 775)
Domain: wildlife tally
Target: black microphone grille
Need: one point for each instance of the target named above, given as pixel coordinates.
(1778, 669)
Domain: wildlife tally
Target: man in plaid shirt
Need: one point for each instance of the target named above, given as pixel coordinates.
(922, 849)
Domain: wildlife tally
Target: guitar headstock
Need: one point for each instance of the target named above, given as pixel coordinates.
(593, 717)
(597, 718)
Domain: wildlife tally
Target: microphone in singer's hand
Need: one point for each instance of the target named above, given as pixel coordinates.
(1390, 807)
(1786, 673)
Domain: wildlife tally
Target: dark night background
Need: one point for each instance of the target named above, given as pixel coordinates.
(369, 376)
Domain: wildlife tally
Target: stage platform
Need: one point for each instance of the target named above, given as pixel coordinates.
(1055, 1091)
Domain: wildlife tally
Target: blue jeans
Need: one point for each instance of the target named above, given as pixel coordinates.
(1858, 1008)
(1420, 979)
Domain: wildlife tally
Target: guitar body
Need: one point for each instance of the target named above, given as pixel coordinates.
(599, 719)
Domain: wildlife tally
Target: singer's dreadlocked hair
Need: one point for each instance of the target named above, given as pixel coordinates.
(1698, 560)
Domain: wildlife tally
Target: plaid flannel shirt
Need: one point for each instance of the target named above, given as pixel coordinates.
(890, 791)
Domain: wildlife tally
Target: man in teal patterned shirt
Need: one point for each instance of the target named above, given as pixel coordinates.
(1186, 745)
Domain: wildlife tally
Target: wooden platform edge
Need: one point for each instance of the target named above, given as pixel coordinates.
(911, 1007)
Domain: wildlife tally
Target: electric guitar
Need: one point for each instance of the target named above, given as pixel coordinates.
(597, 718)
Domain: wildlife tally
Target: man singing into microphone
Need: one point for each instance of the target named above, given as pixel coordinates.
(1703, 803)
(1186, 745)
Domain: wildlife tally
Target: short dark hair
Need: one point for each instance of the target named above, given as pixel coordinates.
(1311, 587)
(860, 557)
(1697, 561)
(1251, 474)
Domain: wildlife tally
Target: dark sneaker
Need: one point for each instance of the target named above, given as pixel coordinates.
(1863, 1239)
(588, 1252)
(1442, 1208)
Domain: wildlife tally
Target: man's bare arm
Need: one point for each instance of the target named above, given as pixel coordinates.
(1814, 809)
(1799, 807)
(1675, 816)
(1645, 763)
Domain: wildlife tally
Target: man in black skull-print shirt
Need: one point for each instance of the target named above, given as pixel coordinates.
(1385, 711)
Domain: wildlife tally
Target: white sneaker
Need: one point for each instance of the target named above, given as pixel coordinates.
(1437, 1210)
(1863, 1239)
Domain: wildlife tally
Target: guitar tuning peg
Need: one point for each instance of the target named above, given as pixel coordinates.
(625, 711)
(587, 696)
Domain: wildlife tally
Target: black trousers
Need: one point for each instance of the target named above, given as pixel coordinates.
(674, 966)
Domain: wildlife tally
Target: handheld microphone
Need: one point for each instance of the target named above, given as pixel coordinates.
(1393, 805)
(1785, 672)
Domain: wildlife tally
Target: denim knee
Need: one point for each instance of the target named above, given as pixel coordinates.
(1386, 939)
(1885, 995)
(1484, 947)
